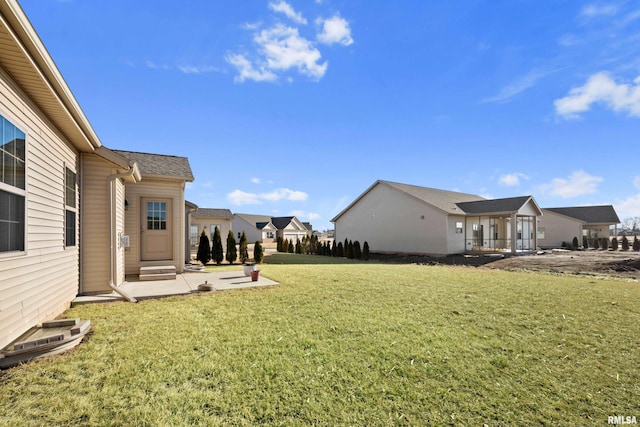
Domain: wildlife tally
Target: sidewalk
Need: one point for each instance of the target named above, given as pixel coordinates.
(183, 284)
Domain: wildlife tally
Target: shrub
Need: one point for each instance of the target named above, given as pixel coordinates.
(575, 243)
(625, 243)
(280, 244)
(349, 251)
(285, 245)
(217, 253)
(604, 243)
(340, 250)
(204, 251)
(365, 251)
(258, 252)
(232, 252)
(290, 246)
(244, 248)
(636, 244)
(298, 247)
(614, 244)
(357, 251)
(585, 242)
(596, 244)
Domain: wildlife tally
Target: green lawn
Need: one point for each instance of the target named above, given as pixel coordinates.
(349, 344)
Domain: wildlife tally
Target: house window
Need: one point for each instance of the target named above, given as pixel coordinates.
(193, 235)
(270, 235)
(12, 187)
(458, 227)
(70, 207)
(156, 215)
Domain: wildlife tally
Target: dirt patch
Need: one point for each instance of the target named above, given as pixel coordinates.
(591, 262)
(619, 264)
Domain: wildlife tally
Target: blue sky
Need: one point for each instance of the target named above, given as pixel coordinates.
(298, 106)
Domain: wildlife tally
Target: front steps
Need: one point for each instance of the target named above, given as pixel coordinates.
(157, 272)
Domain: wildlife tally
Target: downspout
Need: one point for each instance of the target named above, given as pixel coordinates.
(112, 226)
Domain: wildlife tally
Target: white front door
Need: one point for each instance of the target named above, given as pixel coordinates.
(156, 233)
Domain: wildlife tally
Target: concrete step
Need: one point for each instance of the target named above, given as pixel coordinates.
(158, 272)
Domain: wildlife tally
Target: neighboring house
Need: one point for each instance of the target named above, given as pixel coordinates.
(563, 224)
(309, 228)
(67, 203)
(268, 229)
(208, 219)
(400, 218)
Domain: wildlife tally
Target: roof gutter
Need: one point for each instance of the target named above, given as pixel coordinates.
(112, 227)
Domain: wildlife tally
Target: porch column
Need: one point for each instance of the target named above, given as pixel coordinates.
(535, 233)
(514, 233)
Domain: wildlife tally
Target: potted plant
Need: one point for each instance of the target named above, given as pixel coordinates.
(255, 274)
(248, 268)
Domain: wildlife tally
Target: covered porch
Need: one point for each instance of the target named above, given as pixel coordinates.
(501, 225)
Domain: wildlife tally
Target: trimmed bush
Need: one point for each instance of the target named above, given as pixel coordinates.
(204, 251)
(280, 244)
(244, 248)
(585, 242)
(614, 244)
(290, 246)
(604, 243)
(340, 250)
(232, 252)
(349, 251)
(365, 251)
(575, 243)
(217, 253)
(596, 244)
(357, 251)
(298, 247)
(625, 243)
(636, 244)
(333, 248)
(258, 252)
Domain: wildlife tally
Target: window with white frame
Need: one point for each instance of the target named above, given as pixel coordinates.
(12, 187)
(70, 207)
(459, 227)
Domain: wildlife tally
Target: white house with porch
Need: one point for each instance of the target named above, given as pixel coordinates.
(401, 218)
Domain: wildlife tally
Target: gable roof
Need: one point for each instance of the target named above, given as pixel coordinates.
(261, 221)
(443, 200)
(282, 222)
(495, 206)
(604, 214)
(212, 213)
(160, 165)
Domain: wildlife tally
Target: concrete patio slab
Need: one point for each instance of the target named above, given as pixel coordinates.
(183, 284)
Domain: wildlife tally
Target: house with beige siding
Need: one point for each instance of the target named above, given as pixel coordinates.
(75, 217)
(560, 225)
(267, 228)
(207, 219)
(401, 218)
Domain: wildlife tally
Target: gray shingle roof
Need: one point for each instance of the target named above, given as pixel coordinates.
(212, 213)
(281, 221)
(442, 199)
(507, 205)
(160, 164)
(604, 214)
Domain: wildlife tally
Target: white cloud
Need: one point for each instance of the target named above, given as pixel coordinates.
(283, 48)
(247, 71)
(593, 10)
(284, 7)
(284, 194)
(511, 179)
(520, 85)
(577, 184)
(255, 180)
(305, 215)
(190, 69)
(238, 197)
(334, 30)
(600, 88)
(629, 207)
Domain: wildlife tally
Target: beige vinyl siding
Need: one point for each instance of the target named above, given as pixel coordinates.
(39, 283)
(119, 277)
(96, 243)
(149, 188)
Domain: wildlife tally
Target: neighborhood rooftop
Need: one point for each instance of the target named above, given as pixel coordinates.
(160, 164)
(212, 213)
(589, 214)
(506, 205)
